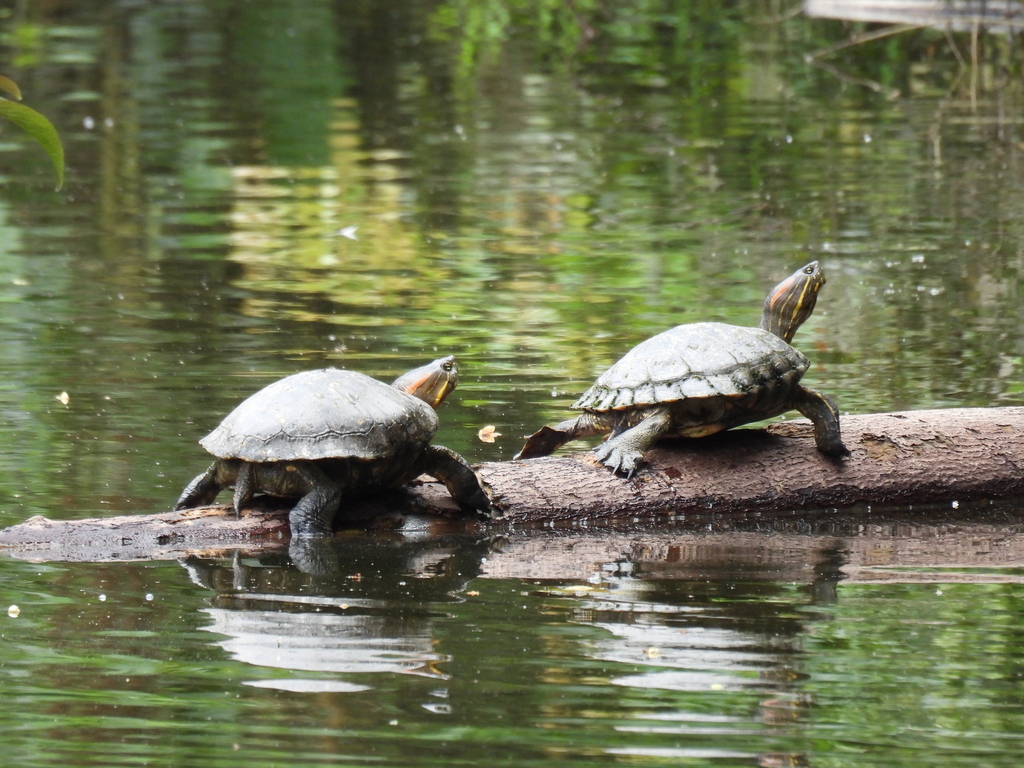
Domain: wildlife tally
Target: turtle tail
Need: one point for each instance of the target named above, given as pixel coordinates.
(545, 440)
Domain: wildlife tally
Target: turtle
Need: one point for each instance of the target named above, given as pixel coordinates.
(701, 378)
(323, 435)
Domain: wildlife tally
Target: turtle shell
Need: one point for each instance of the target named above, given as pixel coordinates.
(697, 360)
(324, 414)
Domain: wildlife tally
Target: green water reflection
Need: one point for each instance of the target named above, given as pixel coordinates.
(429, 649)
(256, 188)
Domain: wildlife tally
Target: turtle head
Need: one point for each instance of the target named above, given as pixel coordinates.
(432, 382)
(792, 301)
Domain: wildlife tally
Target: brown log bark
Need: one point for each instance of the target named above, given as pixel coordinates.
(918, 457)
(912, 457)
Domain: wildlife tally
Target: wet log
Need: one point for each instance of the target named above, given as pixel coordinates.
(913, 457)
(919, 457)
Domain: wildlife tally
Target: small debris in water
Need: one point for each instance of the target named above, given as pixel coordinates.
(956, 505)
(488, 434)
(349, 232)
(64, 398)
(14, 611)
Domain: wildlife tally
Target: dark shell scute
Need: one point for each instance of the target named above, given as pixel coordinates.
(693, 361)
(742, 379)
(324, 414)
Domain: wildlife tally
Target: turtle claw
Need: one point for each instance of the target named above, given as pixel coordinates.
(620, 460)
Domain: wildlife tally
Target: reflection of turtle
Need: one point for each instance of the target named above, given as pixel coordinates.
(321, 435)
(701, 378)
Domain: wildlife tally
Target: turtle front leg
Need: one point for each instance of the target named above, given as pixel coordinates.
(825, 417)
(458, 477)
(624, 452)
(546, 439)
(204, 488)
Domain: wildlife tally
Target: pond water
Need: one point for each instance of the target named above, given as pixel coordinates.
(256, 188)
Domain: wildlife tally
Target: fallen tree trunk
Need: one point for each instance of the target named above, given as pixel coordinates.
(912, 457)
(949, 456)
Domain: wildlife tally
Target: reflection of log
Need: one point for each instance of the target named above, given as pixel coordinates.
(858, 550)
(993, 15)
(901, 458)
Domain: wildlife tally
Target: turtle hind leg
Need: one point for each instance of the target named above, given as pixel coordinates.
(546, 439)
(204, 488)
(245, 487)
(825, 417)
(314, 514)
(623, 452)
(458, 477)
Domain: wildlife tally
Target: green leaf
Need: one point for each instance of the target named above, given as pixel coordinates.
(10, 86)
(40, 129)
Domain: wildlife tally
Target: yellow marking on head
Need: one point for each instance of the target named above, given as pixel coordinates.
(432, 382)
(792, 301)
(442, 393)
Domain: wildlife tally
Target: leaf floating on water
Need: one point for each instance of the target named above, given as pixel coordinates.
(488, 434)
(64, 398)
(349, 232)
